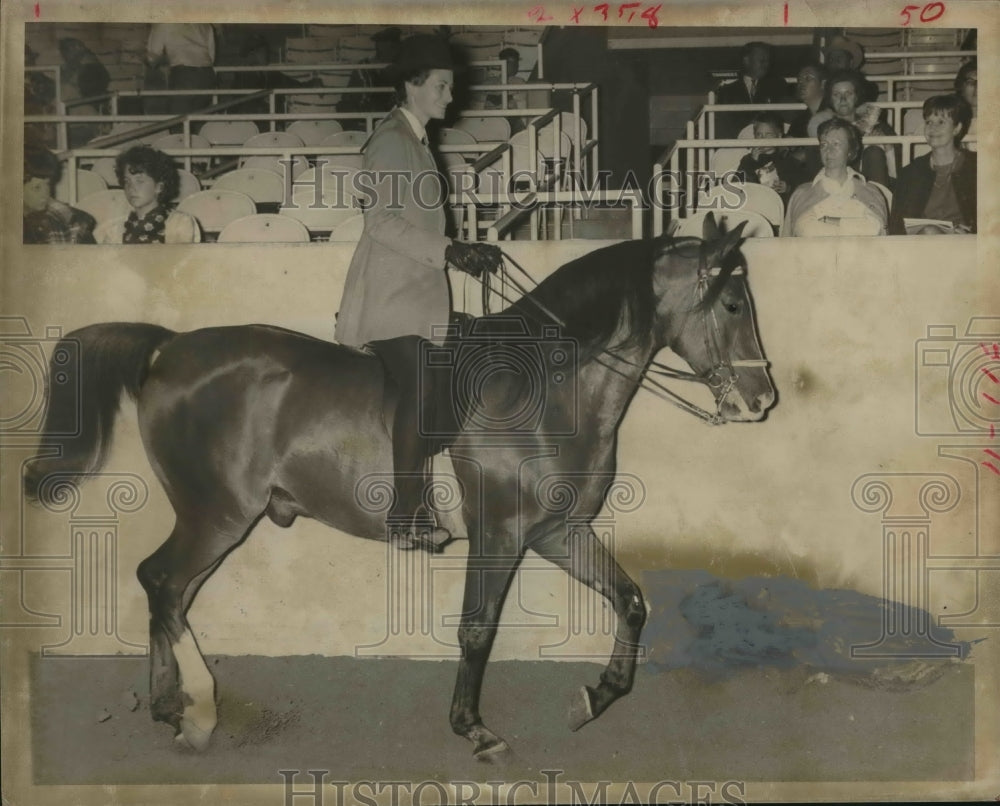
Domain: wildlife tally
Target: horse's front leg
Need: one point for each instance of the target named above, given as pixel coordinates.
(487, 580)
(582, 555)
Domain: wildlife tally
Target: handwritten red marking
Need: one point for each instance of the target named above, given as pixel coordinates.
(650, 15)
(991, 399)
(623, 6)
(786, 13)
(931, 12)
(38, 10)
(990, 375)
(603, 9)
(993, 432)
(538, 14)
(576, 14)
(991, 467)
(994, 454)
(905, 14)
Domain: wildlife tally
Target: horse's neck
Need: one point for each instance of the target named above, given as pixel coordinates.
(607, 384)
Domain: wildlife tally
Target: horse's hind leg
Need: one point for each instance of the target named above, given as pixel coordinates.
(585, 558)
(182, 689)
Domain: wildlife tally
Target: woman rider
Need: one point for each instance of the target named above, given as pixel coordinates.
(397, 287)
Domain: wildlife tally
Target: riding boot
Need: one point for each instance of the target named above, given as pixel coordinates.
(410, 524)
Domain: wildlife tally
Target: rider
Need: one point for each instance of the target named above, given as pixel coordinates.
(397, 287)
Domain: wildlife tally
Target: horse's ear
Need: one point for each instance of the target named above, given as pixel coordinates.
(710, 229)
(732, 238)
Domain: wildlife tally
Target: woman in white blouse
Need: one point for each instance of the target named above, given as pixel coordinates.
(838, 201)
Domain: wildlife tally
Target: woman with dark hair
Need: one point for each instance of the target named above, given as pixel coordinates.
(45, 219)
(966, 87)
(939, 189)
(151, 182)
(845, 99)
(838, 201)
(397, 288)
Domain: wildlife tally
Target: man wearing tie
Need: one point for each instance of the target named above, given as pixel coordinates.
(397, 287)
(755, 85)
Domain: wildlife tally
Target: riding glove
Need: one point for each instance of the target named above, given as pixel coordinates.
(474, 258)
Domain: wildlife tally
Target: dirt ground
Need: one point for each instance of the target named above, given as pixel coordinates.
(747, 680)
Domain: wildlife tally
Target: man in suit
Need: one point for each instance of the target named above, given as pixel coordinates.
(755, 85)
(397, 288)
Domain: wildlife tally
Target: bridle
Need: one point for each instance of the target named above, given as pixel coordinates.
(721, 377)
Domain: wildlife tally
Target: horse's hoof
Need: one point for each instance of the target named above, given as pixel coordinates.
(194, 736)
(581, 710)
(493, 751)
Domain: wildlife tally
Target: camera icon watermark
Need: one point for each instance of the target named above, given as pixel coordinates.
(504, 382)
(958, 379)
(24, 370)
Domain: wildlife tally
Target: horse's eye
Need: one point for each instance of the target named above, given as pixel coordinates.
(732, 307)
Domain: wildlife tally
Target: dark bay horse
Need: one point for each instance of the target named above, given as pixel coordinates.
(240, 423)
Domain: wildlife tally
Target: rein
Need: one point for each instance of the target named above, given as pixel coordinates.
(711, 378)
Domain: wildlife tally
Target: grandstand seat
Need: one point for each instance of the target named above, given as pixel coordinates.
(310, 103)
(757, 225)
(105, 168)
(913, 121)
(274, 140)
(485, 129)
(330, 168)
(229, 132)
(87, 182)
(263, 186)
(349, 229)
(189, 184)
(355, 48)
(264, 228)
(757, 198)
(216, 208)
(884, 191)
(724, 160)
(448, 136)
(333, 208)
(312, 132)
(276, 165)
(171, 141)
(310, 50)
(105, 205)
(345, 139)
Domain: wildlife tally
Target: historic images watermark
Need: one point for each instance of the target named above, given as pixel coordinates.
(553, 788)
(338, 187)
(957, 397)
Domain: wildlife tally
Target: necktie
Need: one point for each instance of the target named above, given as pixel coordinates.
(753, 88)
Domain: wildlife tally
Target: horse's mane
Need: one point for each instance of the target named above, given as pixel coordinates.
(595, 294)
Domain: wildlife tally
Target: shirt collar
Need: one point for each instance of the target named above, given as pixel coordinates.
(416, 125)
(851, 174)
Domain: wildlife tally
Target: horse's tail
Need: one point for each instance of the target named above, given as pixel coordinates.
(88, 371)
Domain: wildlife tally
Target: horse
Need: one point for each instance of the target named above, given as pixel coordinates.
(242, 423)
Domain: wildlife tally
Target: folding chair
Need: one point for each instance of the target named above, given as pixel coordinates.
(87, 182)
(264, 228)
(263, 186)
(312, 132)
(216, 208)
(105, 205)
(757, 225)
(349, 230)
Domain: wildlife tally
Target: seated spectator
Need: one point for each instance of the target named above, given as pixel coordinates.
(45, 219)
(769, 165)
(256, 52)
(755, 85)
(838, 201)
(966, 86)
(150, 181)
(846, 54)
(845, 100)
(810, 88)
(939, 188)
(39, 99)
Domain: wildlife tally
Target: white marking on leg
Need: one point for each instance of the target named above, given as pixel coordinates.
(197, 685)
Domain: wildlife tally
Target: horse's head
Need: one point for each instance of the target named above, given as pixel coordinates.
(705, 315)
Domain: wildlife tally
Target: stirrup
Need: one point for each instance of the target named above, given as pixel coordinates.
(418, 534)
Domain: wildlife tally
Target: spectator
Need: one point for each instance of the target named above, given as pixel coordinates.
(83, 76)
(846, 54)
(45, 219)
(256, 52)
(810, 88)
(151, 182)
(838, 201)
(755, 85)
(966, 86)
(845, 99)
(941, 186)
(39, 99)
(386, 49)
(188, 49)
(515, 100)
(769, 165)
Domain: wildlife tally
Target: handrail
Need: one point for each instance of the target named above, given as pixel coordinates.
(527, 205)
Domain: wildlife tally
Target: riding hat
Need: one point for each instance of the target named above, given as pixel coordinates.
(420, 52)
